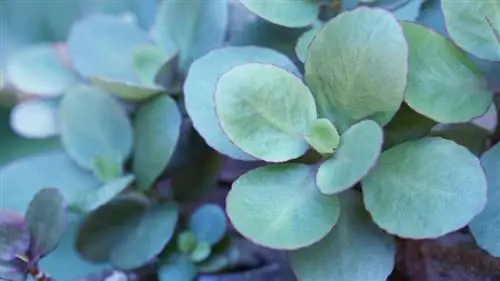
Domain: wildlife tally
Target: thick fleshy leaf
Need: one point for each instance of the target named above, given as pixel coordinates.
(37, 118)
(358, 152)
(323, 136)
(450, 89)
(186, 242)
(178, 268)
(94, 125)
(148, 60)
(484, 227)
(94, 199)
(280, 207)
(209, 224)
(148, 238)
(203, 28)
(107, 226)
(474, 26)
(46, 219)
(289, 13)
(265, 111)
(14, 235)
(103, 45)
(304, 41)
(200, 87)
(425, 188)
(357, 66)
(355, 250)
(157, 130)
(38, 70)
(133, 91)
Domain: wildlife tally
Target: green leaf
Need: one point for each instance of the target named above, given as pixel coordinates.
(203, 28)
(200, 87)
(201, 252)
(127, 90)
(474, 26)
(355, 250)
(94, 125)
(357, 67)
(148, 61)
(178, 268)
(425, 188)
(265, 111)
(304, 41)
(157, 130)
(186, 242)
(208, 224)
(450, 89)
(148, 238)
(323, 136)
(484, 227)
(38, 70)
(14, 235)
(279, 206)
(107, 168)
(46, 220)
(103, 229)
(289, 13)
(102, 45)
(360, 147)
(94, 199)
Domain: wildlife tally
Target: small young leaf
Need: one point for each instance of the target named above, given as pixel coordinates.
(355, 250)
(357, 67)
(148, 238)
(280, 207)
(425, 188)
(289, 13)
(208, 224)
(178, 268)
(186, 242)
(448, 90)
(484, 227)
(12, 270)
(107, 168)
(201, 252)
(36, 118)
(147, 61)
(359, 150)
(14, 235)
(46, 220)
(323, 136)
(94, 125)
(265, 111)
(304, 41)
(201, 83)
(157, 129)
(126, 90)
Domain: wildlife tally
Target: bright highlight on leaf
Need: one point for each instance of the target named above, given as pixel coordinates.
(323, 136)
(443, 83)
(289, 13)
(356, 67)
(280, 207)
(36, 118)
(265, 111)
(425, 188)
(358, 152)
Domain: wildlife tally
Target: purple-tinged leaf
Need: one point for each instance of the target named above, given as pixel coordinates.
(12, 270)
(14, 235)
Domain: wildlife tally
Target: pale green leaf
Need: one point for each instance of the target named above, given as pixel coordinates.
(186, 242)
(148, 61)
(133, 91)
(208, 223)
(201, 252)
(289, 13)
(280, 207)
(107, 168)
(425, 188)
(323, 136)
(304, 41)
(265, 111)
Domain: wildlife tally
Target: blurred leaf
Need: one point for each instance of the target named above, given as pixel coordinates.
(148, 61)
(36, 118)
(107, 168)
(201, 252)
(37, 69)
(12, 270)
(46, 219)
(304, 41)
(94, 125)
(403, 10)
(127, 90)
(186, 242)
(14, 236)
(349, 4)
(466, 134)
(323, 136)
(194, 27)
(157, 130)
(148, 238)
(209, 224)
(178, 268)
(94, 199)
(289, 13)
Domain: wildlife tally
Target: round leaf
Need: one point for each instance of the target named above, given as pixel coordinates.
(148, 238)
(186, 242)
(323, 136)
(304, 41)
(208, 224)
(359, 150)
(484, 227)
(355, 250)
(201, 83)
(201, 252)
(37, 118)
(449, 89)
(94, 125)
(157, 130)
(14, 236)
(265, 111)
(178, 268)
(127, 90)
(425, 188)
(289, 13)
(357, 66)
(38, 70)
(280, 207)
(474, 26)
(46, 220)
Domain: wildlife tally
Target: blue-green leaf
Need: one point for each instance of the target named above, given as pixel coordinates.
(209, 224)
(148, 61)
(14, 235)
(178, 268)
(304, 41)
(133, 91)
(289, 13)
